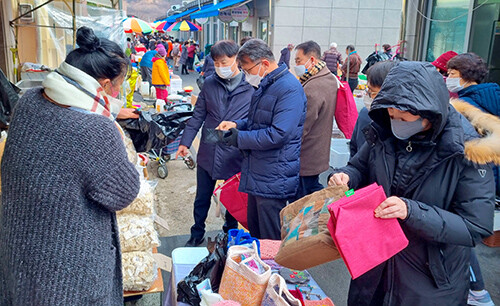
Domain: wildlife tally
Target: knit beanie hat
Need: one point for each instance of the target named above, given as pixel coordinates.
(443, 59)
(161, 50)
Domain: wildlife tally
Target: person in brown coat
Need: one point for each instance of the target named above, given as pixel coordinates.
(351, 66)
(320, 88)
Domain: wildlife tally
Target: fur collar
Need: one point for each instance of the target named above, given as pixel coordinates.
(485, 149)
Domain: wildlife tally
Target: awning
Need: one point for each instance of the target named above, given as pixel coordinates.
(214, 10)
(173, 18)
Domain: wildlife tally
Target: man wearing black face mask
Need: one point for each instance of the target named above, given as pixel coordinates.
(443, 201)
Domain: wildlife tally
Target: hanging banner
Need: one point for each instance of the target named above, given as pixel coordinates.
(225, 16)
(240, 14)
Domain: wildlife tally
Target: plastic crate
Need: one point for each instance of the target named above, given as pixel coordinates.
(339, 152)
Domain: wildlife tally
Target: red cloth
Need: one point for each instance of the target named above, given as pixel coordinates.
(140, 49)
(234, 201)
(364, 241)
(346, 112)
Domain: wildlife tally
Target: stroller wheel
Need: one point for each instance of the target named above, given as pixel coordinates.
(189, 162)
(162, 171)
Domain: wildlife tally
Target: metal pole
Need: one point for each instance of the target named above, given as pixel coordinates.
(403, 28)
(74, 24)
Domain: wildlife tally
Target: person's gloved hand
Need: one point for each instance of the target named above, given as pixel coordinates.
(231, 138)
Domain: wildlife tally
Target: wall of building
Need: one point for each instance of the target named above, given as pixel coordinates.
(359, 22)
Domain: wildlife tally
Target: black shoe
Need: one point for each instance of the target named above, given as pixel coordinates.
(194, 242)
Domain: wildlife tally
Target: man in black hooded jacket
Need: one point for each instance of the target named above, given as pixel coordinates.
(443, 202)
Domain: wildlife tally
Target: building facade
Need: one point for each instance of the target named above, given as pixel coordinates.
(433, 27)
(362, 23)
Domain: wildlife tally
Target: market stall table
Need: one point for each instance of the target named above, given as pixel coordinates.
(185, 259)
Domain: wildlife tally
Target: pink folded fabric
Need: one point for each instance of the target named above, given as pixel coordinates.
(364, 241)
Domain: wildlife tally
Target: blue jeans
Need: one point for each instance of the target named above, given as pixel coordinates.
(204, 189)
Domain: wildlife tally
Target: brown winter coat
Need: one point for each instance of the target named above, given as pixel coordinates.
(354, 66)
(321, 93)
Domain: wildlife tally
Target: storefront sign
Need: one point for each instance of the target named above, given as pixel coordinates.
(241, 13)
(225, 16)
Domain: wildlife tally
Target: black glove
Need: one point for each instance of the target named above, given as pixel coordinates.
(231, 137)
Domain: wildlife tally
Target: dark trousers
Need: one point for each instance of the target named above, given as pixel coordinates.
(184, 69)
(204, 189)
(308, 185)
(146, 74)
(190, 62)
(264, 217)
(476, 277)
(353, 83)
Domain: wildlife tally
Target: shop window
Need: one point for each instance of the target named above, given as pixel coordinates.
(447, 32)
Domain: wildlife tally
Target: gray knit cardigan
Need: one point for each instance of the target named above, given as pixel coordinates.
(64, 174)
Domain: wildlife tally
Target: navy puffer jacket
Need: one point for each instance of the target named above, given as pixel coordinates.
(271, 137)
(214, 105)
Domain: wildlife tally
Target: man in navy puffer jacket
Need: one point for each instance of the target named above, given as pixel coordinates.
(270, 138)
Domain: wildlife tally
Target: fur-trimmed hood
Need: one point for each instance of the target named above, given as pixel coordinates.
(485, 149)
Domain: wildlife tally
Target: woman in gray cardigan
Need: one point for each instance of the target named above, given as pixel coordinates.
(64, 174)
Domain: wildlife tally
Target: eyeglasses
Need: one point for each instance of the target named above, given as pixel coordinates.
(248, 70)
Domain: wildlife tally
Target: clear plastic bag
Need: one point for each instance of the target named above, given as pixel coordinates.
(137, 233)
(139, 271)
(144, 203)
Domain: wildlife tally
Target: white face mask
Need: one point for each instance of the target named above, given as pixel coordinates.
(254, 79)
(301, 69)
(453, 84)
(225, 72)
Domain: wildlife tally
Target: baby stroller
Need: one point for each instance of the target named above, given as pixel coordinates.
(159, 134)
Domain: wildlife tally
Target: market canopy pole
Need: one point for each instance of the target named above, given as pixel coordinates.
(74, 24)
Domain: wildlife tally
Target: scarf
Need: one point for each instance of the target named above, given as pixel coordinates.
(311, 72)
(70, 87)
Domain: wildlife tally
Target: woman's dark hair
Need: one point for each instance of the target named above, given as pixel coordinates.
(244, 40)
(350, 48)
(97, 57)
(186, 43)
(386, 47)
(472, 67)
(310, 48)
(224, 48)
(377, 73)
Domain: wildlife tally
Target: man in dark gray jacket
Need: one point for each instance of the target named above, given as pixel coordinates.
(444, 202)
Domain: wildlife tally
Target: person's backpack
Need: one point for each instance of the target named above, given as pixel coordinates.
(176, 50)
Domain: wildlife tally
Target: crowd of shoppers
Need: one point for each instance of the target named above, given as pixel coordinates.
(435, 160)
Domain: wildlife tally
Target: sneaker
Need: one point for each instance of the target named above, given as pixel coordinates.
(482, 298)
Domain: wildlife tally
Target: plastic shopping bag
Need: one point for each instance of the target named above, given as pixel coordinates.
(234, 201)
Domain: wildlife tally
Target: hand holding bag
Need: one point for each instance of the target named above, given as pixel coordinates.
(245, 276)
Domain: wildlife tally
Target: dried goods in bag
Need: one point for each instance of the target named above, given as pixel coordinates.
(139, 271)
(137, 233)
